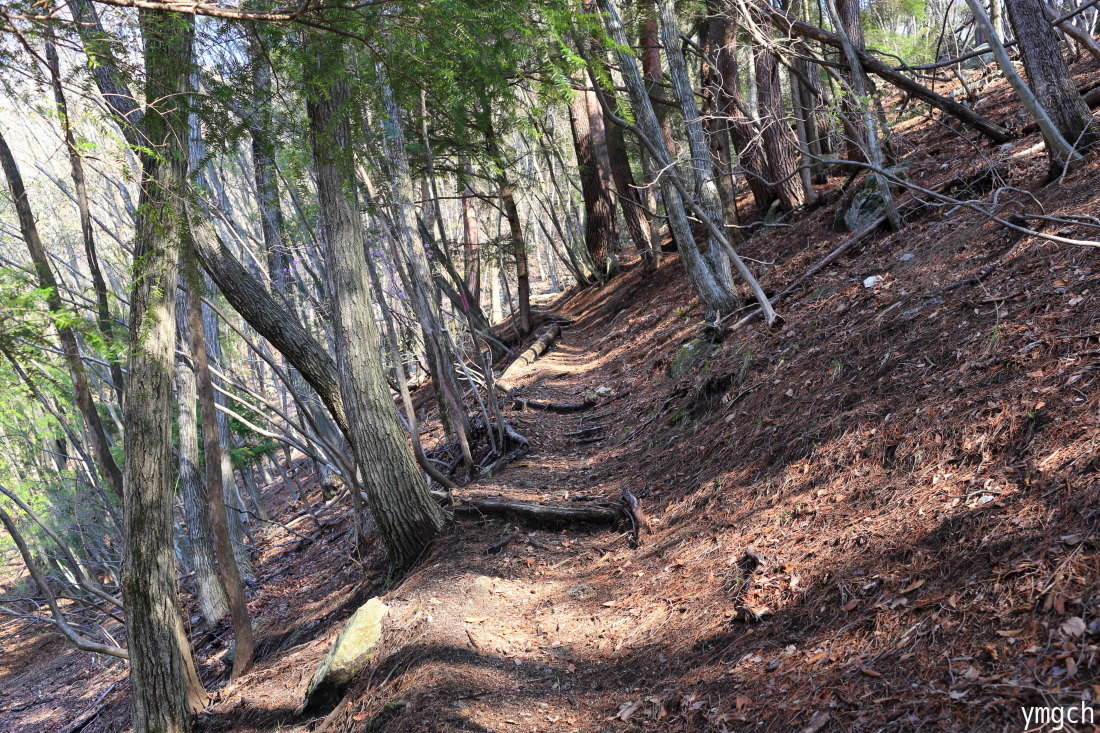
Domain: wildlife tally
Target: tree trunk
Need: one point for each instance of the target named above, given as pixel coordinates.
(407, 516)
(1048, 74)
(471, 262)
(855, 134)
(651, 69)
(230, 494)
(590, 145)
(780, 147)
(208, 586)
(106, 324)
(743, 134)
(214, 450)
(706, 190)
(518, 248)
(161, 669)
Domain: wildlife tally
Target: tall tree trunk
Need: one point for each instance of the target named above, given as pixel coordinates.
(419, 279)
(162, 673)
(82, 391)
(715, 296)
(714, 122)
(743, 134)
(1048, 74)
(780, 148)
(214, 450)
(106, 324)
(471, 260)
(407, 516)
(208, 585)
(231, 495)
(855, 135)
(590, 145)
(518, 249)
(651, 69)
(706, 190)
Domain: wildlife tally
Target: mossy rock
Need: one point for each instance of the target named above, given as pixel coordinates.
(690, 354)
(348, 657)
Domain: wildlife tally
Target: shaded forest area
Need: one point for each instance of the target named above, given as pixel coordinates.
(549, 366)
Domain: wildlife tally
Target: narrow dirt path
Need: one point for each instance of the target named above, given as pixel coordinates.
(523, 638)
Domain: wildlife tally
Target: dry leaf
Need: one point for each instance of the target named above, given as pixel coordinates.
(870, 672)
(1073, 626)
(625, 714)
(913, 586)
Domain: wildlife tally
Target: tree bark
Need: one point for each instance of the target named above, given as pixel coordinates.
(705, 188)
(780, 147)
(1047, 72)
(208, 586)
(161, 669)
(104, 321)
(743, 134)
(590, 145)
(471, 262)
(214, 450)
(406, 515)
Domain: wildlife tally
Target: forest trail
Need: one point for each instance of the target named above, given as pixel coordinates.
(882, 515)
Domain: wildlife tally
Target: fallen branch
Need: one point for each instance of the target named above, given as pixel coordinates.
(537, 349)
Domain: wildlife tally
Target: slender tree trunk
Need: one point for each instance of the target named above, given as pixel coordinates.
(518, 249)
(651, 69)
(208, 585)
(407, 516)
(471, 263)
(82, 391)
(76, 164)
(162, 672)
(706, 190)
(743, 134)
(714, 122)
(214, 449)
(230, 494)
(855, 137)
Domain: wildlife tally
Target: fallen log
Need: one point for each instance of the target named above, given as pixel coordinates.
(539, 514)
(522, 403)
(537, 349)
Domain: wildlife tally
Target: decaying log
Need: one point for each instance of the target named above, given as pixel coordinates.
(522, 403)
(537, 349)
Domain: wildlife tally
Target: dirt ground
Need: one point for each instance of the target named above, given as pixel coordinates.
(879, 516)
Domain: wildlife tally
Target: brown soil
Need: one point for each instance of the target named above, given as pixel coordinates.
(913, 466)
